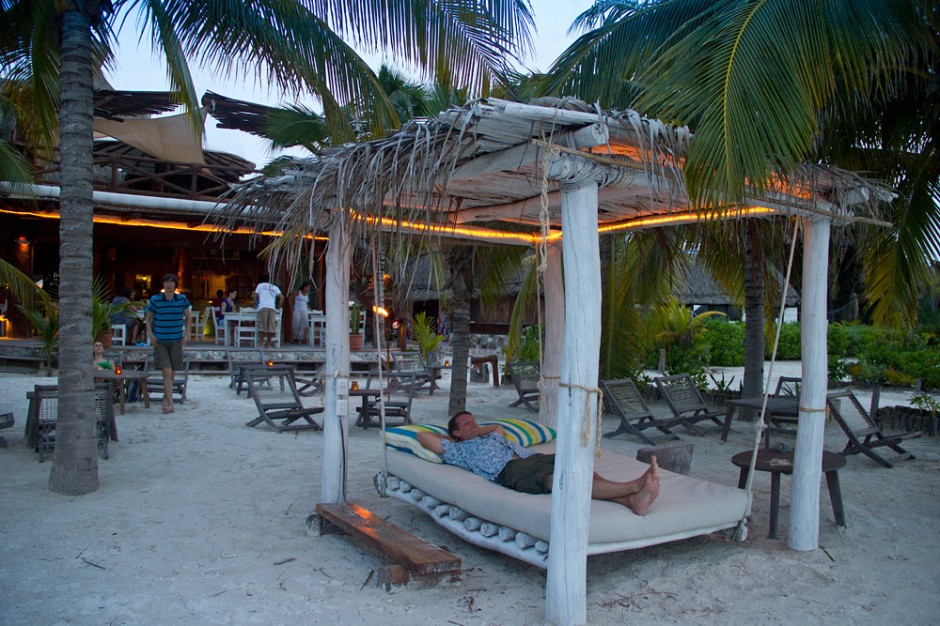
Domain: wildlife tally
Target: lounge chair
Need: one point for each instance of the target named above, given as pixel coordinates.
(864, 435)
(622, 398)
(398, 394)
(686, 402)
(279, 405)
(411, 364)
(525, 378)
(43, 414)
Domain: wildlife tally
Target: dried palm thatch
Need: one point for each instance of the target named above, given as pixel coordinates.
(475, 172)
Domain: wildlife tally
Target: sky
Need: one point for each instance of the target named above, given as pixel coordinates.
(137, 69)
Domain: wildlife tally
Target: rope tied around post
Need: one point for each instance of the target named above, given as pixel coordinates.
(590, 392)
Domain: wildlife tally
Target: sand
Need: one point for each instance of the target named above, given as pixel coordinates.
(201, 520)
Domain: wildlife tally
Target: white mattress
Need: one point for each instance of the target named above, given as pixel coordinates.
(686, 506)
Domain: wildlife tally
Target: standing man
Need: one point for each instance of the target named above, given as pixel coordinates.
(168, 316)
(267, 299)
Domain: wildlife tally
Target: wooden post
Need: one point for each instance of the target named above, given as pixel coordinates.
(566, 589)
(336, 386)
(554, 335)
(807, 463)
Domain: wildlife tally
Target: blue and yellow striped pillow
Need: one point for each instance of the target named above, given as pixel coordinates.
(523, 432)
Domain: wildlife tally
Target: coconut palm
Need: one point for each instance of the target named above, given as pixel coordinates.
(299, 45)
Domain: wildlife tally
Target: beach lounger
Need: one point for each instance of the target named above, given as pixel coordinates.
(686, 402)
(864, 435)
(525, 378)
(623, 399)
(279, 405)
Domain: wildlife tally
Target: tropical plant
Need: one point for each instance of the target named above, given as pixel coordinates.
(46, 324)
(424, 334)
(355, 312)
(301, 45)
(682, 336)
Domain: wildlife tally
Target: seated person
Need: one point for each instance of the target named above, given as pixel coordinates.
(126, 314)
(228, 304)
(101, 362)
(485, 451)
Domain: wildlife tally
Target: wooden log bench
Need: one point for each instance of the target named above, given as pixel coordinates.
(413, 559)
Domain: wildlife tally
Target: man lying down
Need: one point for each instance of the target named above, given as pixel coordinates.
(485, 451)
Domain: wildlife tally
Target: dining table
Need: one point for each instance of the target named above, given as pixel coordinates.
(122, 378)
(369, 395)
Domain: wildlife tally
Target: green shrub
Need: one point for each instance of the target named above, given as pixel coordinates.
(726, 342)
(789, 348)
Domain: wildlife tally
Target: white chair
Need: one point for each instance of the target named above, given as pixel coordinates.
(217, 327)
(277, 332)
(196, 330)
(316, 328)
(246, 333)
(118, 334)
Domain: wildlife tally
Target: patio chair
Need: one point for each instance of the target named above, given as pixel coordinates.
(218, 327)
(180, 379)
(623, 399)
(279, 406)
(525, 378)
(310, 384)
(686, 402)
(398, 393)
(864, 435)
(788, 386)
(43, 414)
(237, 358)
(411, 363)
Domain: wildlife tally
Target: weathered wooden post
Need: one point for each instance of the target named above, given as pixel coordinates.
(336, 387)
(554, 335)
(807, 463)
(578, 396)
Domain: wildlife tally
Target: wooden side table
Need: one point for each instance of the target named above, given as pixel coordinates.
(778, 463)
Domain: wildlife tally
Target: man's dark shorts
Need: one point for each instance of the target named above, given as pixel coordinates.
(527, 475)
(168, 355)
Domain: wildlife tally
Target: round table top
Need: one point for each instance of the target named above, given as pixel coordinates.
(126, 374)
(773, 461)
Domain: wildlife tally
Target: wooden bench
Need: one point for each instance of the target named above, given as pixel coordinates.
(412, 557)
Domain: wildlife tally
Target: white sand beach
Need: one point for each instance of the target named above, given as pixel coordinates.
(201, 520)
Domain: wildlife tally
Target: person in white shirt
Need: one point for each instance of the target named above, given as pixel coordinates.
(267, 299)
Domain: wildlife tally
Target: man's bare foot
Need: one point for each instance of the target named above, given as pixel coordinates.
(641, 501)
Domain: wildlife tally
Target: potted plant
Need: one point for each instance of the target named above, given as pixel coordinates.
(355, 339)
(101, 313)
(426, 337)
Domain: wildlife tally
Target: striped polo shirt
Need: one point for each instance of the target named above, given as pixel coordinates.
(168, 316)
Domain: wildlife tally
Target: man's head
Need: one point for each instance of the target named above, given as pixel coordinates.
(170, 282)
(462, 426)
(265, 278)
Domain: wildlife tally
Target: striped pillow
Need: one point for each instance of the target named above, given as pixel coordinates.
(405, 438)
(523, 432)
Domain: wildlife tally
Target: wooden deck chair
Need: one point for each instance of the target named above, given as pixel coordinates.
(279, 405)
(398, 393)
(623, 399)
(43, 413)
(525, 378)
(686, 402)
(238, 357)
(786, 386)
(864, 435)
(180, 379)
(411, 364)
(310, 384)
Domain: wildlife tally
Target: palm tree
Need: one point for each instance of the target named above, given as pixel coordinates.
(768, 85)
(302, 47)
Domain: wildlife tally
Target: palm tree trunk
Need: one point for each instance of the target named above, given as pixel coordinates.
(460, 268)
(753, 384)
(75, 463)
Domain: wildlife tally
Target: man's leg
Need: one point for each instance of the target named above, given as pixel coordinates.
(637, 494)
(168, 390)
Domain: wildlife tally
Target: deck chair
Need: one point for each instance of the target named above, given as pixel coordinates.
(279, 405)
(44, 413)
(410, 363)
(864, 435)
(218, 326)
(238, 357)
(686, 402)
(310, 384)
(623, 399)
(398, 393)
(180, 379)
(525, 378)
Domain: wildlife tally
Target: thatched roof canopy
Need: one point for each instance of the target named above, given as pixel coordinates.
(476, 172)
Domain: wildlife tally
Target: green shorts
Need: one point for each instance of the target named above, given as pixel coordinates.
(527, 475)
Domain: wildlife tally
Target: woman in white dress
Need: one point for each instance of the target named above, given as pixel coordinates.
(299, 318)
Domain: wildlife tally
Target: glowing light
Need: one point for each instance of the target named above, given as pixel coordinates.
(380, 311)
(688, 217)
(22, 240)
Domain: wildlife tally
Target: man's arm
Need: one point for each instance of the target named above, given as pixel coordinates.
(492, 428)
(149, 321)
(432, 441)
(187, 320)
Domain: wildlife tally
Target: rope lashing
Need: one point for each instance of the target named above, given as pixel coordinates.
(590, 392)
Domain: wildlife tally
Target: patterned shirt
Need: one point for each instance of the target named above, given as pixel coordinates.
(168, 316)
(485, 456)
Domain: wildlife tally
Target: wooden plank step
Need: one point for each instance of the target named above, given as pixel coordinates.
(385, 539)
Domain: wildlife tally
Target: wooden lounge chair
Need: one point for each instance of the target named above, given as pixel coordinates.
(180, 380)
(411, 364)
(279, 405)
(310, 384)
(622, 398)
(686, 402)
(525, 378)
(864, 435)
(238, 358)
(398, 394)
(43, 414)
